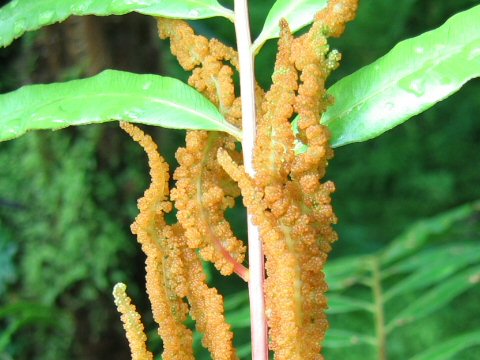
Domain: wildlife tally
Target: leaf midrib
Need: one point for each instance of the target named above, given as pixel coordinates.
(224, 124)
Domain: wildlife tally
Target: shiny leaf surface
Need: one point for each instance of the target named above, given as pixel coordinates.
(110, 95)
(19, 16)
(412, 77)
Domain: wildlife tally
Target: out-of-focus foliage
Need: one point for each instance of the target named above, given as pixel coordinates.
(8, 270)
(414, 278)
(61, 207)
(110, 95)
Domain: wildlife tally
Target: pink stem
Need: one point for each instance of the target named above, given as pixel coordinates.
(255, 251)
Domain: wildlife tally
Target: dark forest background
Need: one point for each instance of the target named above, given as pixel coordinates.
(67, 197)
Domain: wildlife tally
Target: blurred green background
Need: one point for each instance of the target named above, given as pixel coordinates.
(67, 199)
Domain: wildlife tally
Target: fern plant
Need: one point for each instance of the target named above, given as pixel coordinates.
(290, 152)
(417, 274)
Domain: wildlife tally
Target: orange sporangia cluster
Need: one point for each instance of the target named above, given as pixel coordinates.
(169, 310)
(288, 200)
(202, 193)
(206, 308)
(174, 271)
(132, 324)
(275, 139)
(203, 190)
(208, 60)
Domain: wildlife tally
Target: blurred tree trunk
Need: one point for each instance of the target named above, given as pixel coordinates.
(84, 46)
